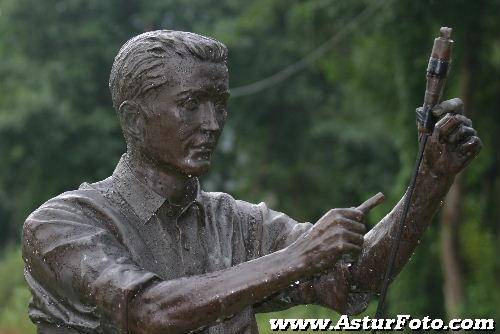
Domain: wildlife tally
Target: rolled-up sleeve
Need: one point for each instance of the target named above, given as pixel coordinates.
(79, 274)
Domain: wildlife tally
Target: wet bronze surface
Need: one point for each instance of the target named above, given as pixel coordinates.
(148, 251)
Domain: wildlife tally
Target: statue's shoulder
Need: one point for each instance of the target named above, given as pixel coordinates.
(87, 196)
(217, 198)
(227, 202)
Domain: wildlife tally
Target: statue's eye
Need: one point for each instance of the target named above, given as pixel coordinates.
(191, 104)
(220, 105)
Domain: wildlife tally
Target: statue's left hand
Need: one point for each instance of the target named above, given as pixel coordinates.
(454, 142)
(328, 290)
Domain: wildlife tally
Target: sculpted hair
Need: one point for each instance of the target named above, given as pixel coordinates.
(140, 63)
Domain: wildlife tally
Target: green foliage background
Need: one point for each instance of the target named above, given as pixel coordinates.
(328, 136)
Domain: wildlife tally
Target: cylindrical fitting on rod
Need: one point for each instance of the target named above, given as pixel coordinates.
(437, 70)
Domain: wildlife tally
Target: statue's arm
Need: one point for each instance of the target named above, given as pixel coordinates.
(282, 252)
(185, 304)
(368, 273)
(451, 147)
(277, 231)
(75, 268)
(71, 254)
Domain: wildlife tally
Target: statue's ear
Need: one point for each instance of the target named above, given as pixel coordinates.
(132, 120)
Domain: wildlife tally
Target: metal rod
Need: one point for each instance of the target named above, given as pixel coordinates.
(399, 231)
(437, 71)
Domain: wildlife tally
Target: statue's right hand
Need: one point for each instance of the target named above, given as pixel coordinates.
(338, 232)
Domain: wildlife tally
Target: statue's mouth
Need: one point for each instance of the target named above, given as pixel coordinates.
(204, 144)
(203, 151)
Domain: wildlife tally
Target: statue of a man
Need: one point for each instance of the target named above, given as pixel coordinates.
(147, 251)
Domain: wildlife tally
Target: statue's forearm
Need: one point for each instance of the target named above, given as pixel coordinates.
(369, 271)
(185, 304)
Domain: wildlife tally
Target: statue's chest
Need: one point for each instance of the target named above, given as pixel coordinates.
(198, 242)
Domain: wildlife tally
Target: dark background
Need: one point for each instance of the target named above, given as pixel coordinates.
(335, 125)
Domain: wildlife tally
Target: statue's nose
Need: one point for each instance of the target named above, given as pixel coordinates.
(209, 120)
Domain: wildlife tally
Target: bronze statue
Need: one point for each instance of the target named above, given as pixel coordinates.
(147, 251)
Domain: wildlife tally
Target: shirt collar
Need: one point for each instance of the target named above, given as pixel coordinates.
(143, 200)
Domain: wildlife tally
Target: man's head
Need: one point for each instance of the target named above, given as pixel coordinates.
(169, 89)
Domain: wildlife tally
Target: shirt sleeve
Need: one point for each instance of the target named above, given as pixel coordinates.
(275, 231)
(79, 274)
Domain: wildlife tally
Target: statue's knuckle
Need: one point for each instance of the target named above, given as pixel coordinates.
(341, 230)
(335, 212)
(320, 228)
(336, 244)
(342, 245)
(344, 233)
(332, 239)
(334, 222)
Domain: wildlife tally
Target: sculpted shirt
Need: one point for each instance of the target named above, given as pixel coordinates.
(87, 252)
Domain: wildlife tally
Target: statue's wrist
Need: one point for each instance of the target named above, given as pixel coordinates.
(295, 262)
(435, 174)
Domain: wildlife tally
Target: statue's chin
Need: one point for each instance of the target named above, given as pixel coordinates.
(189, 166)
(197, 168)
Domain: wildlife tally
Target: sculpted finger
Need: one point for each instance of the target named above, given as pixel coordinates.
(353, 238)
(462, 134)
(420, 116)
(351, 249)
(455, 106)
(471, 147)
(465, 121)
(352, 225)
(446, 125)
(352, 213)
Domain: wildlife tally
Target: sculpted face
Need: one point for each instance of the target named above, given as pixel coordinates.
(184, 118)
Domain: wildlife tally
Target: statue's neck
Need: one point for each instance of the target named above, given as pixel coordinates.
(178, 188)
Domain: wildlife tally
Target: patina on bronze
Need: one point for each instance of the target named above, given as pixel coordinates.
(147, 251)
